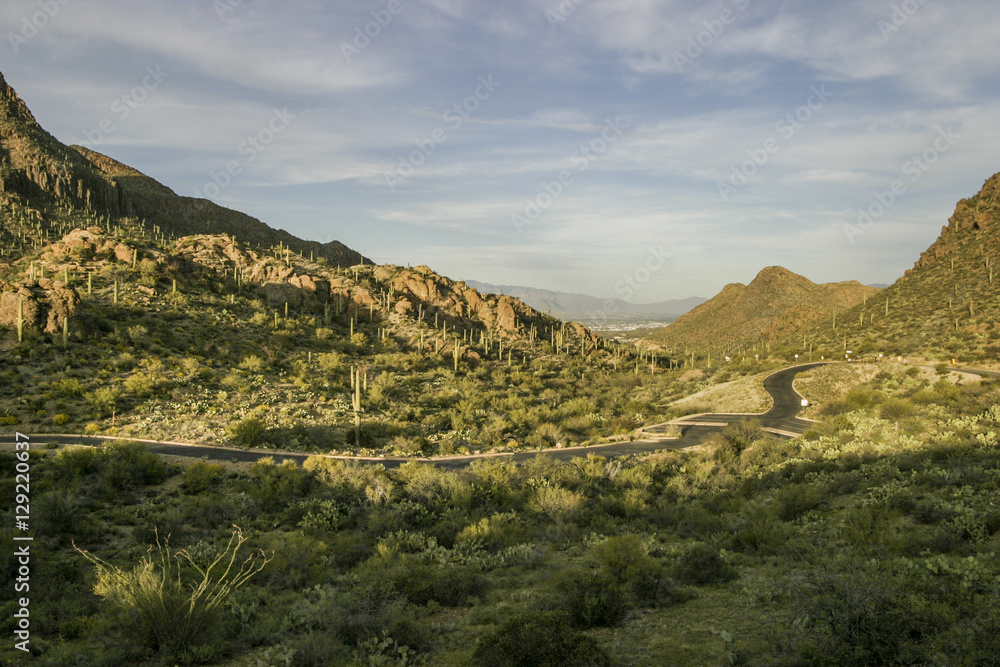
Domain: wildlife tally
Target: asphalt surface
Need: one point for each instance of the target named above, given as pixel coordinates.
(781, 418)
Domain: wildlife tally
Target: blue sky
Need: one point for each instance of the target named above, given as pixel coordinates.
(582, 145)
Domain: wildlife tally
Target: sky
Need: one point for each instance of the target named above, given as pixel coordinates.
(639, 149)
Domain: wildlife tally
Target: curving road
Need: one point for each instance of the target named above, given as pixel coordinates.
(780, 419)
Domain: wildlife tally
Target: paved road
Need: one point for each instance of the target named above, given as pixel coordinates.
(781, 417)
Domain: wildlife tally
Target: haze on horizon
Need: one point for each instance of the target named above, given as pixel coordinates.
(560, 145)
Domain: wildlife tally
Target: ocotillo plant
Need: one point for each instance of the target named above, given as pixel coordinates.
(20, 320)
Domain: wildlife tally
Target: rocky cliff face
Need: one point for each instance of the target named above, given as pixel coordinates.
(43, 304)
(974, 222)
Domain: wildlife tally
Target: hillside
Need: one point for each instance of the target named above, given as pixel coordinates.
(870, 540)
(777, 304)
(146, 328)
(47, 188)
(947, 306)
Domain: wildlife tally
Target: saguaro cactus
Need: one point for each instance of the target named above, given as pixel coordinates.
(20, 319)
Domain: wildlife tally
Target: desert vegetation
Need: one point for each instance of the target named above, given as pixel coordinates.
(871, 540)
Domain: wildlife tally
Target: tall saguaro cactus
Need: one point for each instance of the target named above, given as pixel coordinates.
(20, 320)
(356, 404)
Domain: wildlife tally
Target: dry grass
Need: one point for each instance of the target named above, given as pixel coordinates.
(743, 395)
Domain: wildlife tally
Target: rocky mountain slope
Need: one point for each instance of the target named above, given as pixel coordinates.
(47, 188)
(948, 305)
(777, 304)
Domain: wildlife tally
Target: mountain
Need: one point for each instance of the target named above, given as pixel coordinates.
(48, 187)
(777, 304)
(948, 305)
(68, 213)
(589, 309)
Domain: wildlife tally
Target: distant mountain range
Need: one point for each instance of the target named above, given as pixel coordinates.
(591, 310)
(776, 305)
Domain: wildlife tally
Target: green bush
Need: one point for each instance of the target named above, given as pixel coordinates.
(201, 476)
(248, 432)
(591, 597)
(275, 487)
(895, 409)
(702, 564)
(538, 638)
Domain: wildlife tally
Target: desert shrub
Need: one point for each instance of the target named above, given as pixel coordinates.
(860, 398)
(895, 409)
(702, 564)
(371, 609)
(769, 451)
(170, 600)
(419, 582)
(104, 400)
(139, 385)
(591, 597)
(493, 532)
(253, 363)
(643, 579)
(540, 638)
(62, 516)
(760, 530)
(743, 433)
(201, 476)
(248, 432)
(119, 466)
(128, 464)
(277, 486)
(794, 500)
(67, 388)
(856, 618)
(834, 408)
(318, 649)
(299, 561)
(555, 501)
